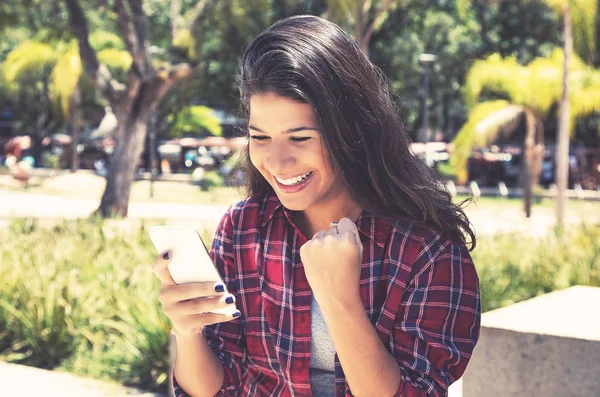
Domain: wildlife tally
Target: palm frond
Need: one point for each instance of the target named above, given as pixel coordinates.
(28, 58)
(583, 14)
(584, 98)
(65, 78)
(485, 121)
(537, 85)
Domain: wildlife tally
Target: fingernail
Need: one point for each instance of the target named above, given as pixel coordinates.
(219, 288)
(229, 299)
(166, 255)
(236, 314)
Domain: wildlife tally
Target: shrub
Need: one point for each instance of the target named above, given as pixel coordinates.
(514, 267)
(81, 296)
(210, 180)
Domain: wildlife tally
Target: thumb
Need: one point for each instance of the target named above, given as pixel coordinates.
(345, 225)
(159, 267)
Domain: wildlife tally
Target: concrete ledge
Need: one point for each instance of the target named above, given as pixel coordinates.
(547, 346)
(23, 381)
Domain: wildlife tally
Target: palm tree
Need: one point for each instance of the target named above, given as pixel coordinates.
(58, 69)
(581, 15)
(26, 77)
(532, 91)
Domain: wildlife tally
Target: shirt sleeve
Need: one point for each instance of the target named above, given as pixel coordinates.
(438, 322)
(226, 339)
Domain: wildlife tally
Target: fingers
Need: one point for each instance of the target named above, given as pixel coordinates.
(177, 293)
(159, 267)
(319, 235)
(193, 324)
(195, 306)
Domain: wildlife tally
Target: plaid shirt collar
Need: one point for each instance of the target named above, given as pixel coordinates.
(366, 223)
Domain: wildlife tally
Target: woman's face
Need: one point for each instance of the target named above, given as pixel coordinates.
(287, 149)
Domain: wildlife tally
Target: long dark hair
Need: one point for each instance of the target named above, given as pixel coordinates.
(311, 60)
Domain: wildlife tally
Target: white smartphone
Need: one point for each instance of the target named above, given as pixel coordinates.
(190, 260)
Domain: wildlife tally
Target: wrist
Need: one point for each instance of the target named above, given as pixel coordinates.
(342, 304)
(187, 336)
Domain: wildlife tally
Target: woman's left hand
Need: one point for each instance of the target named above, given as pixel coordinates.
(332, 262)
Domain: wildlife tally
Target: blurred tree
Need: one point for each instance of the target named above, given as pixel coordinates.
(363, 18)
(435, 27)
(197, 121)
(579, 23)
(54, 73)
(26, 79)
(527, 91)
(146, 82)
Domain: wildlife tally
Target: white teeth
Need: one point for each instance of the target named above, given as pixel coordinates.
(293, 181)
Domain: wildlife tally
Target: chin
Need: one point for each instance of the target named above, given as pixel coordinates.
(292, 204)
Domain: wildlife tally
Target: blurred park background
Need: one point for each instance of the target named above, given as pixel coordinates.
(116, 115)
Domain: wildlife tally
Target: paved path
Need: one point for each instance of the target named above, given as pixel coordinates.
(486, 221)
(22, 381)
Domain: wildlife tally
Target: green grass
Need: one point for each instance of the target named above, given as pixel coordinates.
(92, 188)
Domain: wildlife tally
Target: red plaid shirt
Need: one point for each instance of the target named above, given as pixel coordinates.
(420, 291)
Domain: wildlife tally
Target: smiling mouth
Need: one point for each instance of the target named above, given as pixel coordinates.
(297, 180)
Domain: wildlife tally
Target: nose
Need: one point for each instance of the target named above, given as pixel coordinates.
(280, 158)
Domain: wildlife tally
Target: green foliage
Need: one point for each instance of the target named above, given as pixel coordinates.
(537, 85)
(102, 40)
(468, 136)
(65, 78)
(514, 267)
(196, 121)
(29, 60)
(114, 58)
(211, 179)
(50, 160)
(78, 296)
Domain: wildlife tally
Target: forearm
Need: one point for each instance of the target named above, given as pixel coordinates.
(369, 369)
(197, 370)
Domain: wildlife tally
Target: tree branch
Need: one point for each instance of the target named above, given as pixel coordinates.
(140, 24)
(126, 28)
(175, 17)
(97, 72)
(199, 12)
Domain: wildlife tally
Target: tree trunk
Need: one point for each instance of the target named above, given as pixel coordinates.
(562, 149)
(76, 124)
(533, 157)
(528, 163)
(130, 138)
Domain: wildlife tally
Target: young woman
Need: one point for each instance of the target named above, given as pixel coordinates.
(347, 262)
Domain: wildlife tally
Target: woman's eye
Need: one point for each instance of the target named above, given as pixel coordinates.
(302, 139)
(259, 137)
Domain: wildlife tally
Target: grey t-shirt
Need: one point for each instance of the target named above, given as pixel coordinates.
(322, 366)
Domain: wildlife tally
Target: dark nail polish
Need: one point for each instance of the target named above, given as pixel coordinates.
(229, 300)
(236, 314)
(166, 256)
(219, 288)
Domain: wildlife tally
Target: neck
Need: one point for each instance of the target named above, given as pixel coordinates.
(313, 220)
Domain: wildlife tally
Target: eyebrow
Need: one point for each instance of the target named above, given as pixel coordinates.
(291, 130)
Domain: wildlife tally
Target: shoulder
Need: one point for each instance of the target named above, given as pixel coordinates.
(421, 242)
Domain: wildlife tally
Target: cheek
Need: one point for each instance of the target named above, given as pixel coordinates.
(257, 156)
